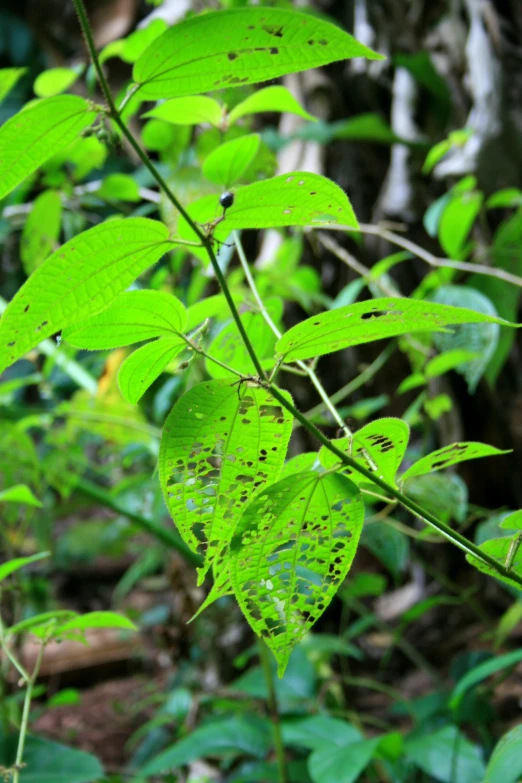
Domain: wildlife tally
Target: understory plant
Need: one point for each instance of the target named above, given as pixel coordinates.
(279, 534)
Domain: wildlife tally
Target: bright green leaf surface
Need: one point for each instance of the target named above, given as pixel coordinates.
(365, 322)
(505, 764)
(456, 223)
(503, 550)
(20, 493)
(331, 764)
(507, 197)
(19, 562)
(241, 46)
(379, 447)
(41, 230)
(298, 464)
(450, 455)
(132, 317)
(50, 762)
(433, 753)
(140, 40)
(36, 133)
(291, 550)
(146, 364)
(190, 110)
(8, 79)
(119, 187)
(54, 81)
(95, 620)
(80, 278)
(228, 347)
(220, 446)
(448, 360)
(48, 619)
(276, 98)
(211, 307)
(294, 199)
(226, 164)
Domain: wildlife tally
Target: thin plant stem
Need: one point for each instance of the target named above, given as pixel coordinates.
(264, 656)
(25, 716)
(266, 315)
(451, 535)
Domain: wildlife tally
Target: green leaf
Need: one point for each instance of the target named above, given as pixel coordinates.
(445, 496)
(48, 619)
(79, 279)
(457, 221)
(191, 110)
(221, 49)
(482, 339)
(316, 731)
(365, 127)
(226, 164)
(41, 230)
(388, 545)
(54, 81)
(211, 307)
(222, 586)
(220, 446)
(140, 40)
(132, 317)
(332, 764)
(507, 197)
(481, 672)
(449, 360)
(379, 447)
(294, 199)
(20, 493)
(365, 322)
(83, 622)
(143, 366)
(298, 464)
(291, 550)
(505, 764)
(451, 455)
(228, 347)
(119, 187)
(6, 569)
(447, 756)
(36, 133)
(50, 762)
(8, 79)
(503, 550)
(274, 99)
(238, 736)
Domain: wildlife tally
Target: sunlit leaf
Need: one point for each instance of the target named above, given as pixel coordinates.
(54, 81)
(229, 348)
(20, 493)
(48, 619)
(379, 447)
(8, 79)
(34, 134)
(376, 319)
(132, 317)
(139, 41)
(79, 279)
(41, 230)
(144, 365)
(119, 187)
(226, 164)
(241, 46)
(456, 223)
(448, 360)
(221, 445)
(273, 99)
(450, 455)
(83, 622)
(505, 764)
(508, 552)
(190, 110)
(291, 550)
(19, 562)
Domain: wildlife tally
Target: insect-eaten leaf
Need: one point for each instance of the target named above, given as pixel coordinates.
(222, 443)
(375, 319)
(379, 447)
(450, 455)
(292, 548)
(36, 133)
(78, 280)
(224, 49)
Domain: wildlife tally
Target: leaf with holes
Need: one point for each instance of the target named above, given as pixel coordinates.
(274, 99)
(294, 199)
(221, 444)
(132, 317)
(143, 366)
(36, 133)
(79, 279)
(451, 455)
(226, 164)
(41, 230)
(292, 548)
(191, 110)
(229, 348)
(508, 552)
(223, 49)
(379, 447)
(376, 319)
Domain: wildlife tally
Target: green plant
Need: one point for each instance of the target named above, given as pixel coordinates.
(280, 537)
